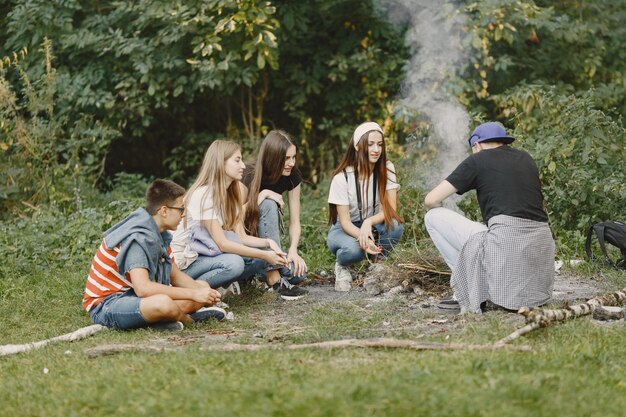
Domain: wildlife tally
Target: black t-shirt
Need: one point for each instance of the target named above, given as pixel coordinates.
(283, 184)
(506, 181)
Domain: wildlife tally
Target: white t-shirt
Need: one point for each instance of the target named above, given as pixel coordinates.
(343, 193)
(199, 208)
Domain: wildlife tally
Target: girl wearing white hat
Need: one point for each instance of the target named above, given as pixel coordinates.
(362, 203)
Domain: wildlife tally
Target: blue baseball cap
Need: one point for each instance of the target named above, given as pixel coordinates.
(489, 132)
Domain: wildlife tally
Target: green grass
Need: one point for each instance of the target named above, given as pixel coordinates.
(575, 369)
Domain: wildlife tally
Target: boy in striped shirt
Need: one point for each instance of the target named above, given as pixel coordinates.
(133, 282)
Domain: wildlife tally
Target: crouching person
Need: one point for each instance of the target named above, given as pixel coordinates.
(132, 281)
(510, 261)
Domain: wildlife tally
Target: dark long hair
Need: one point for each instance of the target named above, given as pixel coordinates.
(267, 170)
(359, 160)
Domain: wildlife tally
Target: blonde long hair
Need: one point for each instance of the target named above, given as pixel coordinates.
(228, 201)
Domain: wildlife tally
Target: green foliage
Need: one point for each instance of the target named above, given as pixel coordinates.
(581, 157)
(51, 238)
(46, 157)
(573, 44)
(341, 63)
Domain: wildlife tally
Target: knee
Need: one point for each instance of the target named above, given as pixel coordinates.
(162, 306)
(348, 255)
(235, 264)
(397, 230)
(434, 217)
(268, 207)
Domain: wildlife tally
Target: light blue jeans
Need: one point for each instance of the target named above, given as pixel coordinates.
(222, 270)
(120, 311)
(346, 248)
(269, 228)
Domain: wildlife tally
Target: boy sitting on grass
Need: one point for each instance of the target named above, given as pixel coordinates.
(132, 281)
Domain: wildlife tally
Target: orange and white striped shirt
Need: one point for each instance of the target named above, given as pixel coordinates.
(104, 278)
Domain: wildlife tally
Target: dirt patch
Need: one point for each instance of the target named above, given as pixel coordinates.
(405, 308)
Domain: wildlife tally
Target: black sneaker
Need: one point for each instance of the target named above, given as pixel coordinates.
(289, 291)
(448, 304)
(208, 313)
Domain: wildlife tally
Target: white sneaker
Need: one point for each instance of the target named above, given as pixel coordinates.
(343, 278)
(232, 289)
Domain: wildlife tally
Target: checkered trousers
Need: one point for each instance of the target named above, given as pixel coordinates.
(511, 264)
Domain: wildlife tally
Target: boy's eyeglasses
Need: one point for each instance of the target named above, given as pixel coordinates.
(181, 209)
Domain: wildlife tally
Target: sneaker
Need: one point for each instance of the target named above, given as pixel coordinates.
(170, 326)
(208, 313)
(288, 291)
(449, 304)
(232, 289)
(343, 278)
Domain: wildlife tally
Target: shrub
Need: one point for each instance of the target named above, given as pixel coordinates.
(581, 155)
(45, 157)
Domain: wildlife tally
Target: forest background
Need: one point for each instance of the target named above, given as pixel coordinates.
(101, 97)
(97, 98)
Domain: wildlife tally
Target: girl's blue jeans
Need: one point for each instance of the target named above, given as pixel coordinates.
(346, 248)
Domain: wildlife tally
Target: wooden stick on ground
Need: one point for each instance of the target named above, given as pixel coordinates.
(76, 335)
(417, 267)
(542, 317)
(387, 343)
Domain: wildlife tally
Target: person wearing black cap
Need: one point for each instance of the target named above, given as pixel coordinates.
(509, 262)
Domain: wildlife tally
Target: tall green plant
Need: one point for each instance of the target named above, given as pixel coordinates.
(581, 155)
(45, 156)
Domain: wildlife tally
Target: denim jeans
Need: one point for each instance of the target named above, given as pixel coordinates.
(222, 270)
(346, 248)
(269, 228)
(120, 311)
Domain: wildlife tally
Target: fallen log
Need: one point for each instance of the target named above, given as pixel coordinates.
(76, 335)
(389, 343)
(385, 343)
(606, 313)
(106, 350)
(542, 317)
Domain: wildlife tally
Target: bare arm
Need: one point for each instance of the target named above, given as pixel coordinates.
(436, 196)
(180, 279)
(365, 233)
(145, 288)
(295, 231)
(241, 249)
(295, 228)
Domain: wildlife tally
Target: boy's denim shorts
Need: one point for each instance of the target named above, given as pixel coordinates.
(120, 311)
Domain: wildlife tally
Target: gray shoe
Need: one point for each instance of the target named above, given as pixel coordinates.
(449, 304)
(169, 326)
(208, 313)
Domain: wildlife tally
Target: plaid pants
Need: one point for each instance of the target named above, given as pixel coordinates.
(511, 264)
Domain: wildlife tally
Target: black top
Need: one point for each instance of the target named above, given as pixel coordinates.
(506, 181)
(283, 184)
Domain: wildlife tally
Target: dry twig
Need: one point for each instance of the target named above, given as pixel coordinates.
(417, 267)
(76, 335)
(542, 317)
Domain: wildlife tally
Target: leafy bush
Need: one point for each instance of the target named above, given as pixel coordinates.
(52, 239)
(45, 156)
(581, 155)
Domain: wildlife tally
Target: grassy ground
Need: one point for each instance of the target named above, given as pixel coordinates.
(575, 369)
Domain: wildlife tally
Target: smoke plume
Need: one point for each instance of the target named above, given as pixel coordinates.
(435, 36)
